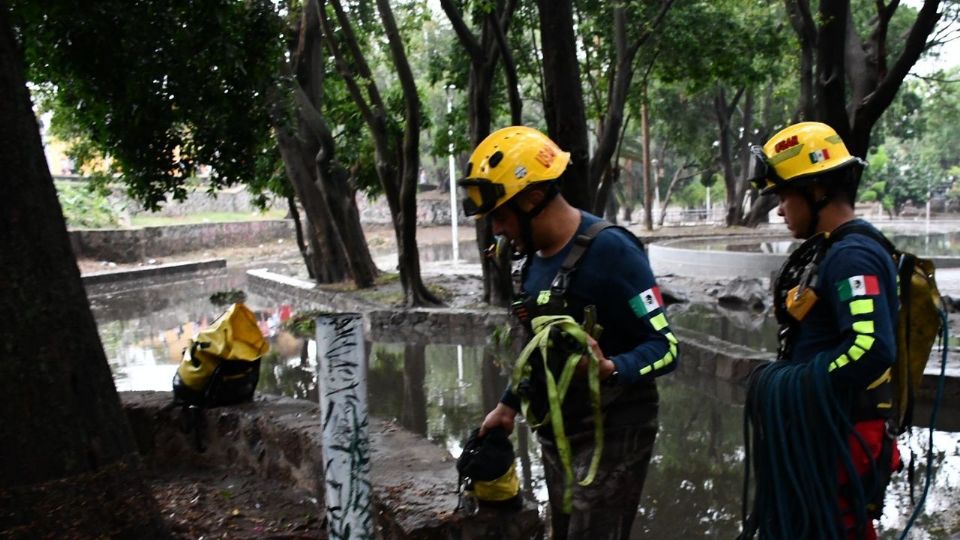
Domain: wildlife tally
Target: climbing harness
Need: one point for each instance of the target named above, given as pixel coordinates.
(549, 333)
(561, 343)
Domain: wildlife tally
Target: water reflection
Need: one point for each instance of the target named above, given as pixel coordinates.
(755, 330)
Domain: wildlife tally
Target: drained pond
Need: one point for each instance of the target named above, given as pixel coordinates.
(442, 392)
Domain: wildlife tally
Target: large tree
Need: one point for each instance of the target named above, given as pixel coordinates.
(395, 130)
(167, 102)
(851, 66)
(322, 183)
(70, 466)
(485, 53)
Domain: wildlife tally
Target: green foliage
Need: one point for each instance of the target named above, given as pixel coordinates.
(900, 173)
(88, 206)
(159, 87)
(227, 297)
(302, 324)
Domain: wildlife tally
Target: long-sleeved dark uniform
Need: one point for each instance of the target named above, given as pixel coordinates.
(614, 275)
(852, 327)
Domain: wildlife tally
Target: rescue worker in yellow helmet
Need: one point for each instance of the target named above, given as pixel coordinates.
(590, 274)
(836, 301)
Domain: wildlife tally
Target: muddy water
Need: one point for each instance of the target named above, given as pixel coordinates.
(930, 244)
(442, 392)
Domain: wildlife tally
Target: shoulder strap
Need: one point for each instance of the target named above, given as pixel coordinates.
(856, 227)
(581, 243)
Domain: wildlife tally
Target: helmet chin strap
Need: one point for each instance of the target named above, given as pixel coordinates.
(815, 207)
(526, 224)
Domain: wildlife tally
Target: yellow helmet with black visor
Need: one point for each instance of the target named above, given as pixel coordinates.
(799, 156)
(505, 163)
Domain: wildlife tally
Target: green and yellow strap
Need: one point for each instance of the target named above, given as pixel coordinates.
(556, 392)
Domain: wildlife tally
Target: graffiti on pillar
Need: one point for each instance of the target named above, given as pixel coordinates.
(346, 453)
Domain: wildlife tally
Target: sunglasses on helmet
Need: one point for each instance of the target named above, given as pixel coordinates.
(479, 195)
(760, 173)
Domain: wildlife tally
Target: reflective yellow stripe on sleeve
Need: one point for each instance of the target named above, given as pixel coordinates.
(861, 307)
(861, 344)
(664, 361)
(863, 327)
(659, 322)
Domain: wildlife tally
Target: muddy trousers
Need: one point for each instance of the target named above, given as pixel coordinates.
(606, 508)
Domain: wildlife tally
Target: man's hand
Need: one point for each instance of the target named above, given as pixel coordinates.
(606, 365)
(501, 416)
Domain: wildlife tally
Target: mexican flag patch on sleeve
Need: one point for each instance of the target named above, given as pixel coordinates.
(646, 301)
(857, 286)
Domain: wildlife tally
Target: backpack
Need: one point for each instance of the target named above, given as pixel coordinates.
(919, 320)
(221, 366)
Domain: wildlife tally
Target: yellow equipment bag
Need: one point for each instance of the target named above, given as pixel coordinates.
(919, 327)
(221, 366)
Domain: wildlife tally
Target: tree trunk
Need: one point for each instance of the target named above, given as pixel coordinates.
(674, 182)
(647, 180)
(70, 466)
(563, 98)
(329, 258)
(408, 152)
(323, 179)
(305, 250)
(484, 56)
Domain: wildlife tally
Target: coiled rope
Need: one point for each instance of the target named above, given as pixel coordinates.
(796, 432)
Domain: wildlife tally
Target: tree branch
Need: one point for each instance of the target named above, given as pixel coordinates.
(806, 30)
(466, 37)
(349, 78)
(880, 99)
(510, 70)
(376, 102)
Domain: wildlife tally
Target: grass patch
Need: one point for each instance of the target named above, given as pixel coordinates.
(147, 220)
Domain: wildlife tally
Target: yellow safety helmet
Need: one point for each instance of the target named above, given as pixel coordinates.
(798, 153)
(505, 163)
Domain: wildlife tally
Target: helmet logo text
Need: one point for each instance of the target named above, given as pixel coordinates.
(786, 143)
(545, 156)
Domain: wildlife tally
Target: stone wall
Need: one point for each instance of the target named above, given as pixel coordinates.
(139, 244)
(232, 199)
(432, 209)
(430, 325)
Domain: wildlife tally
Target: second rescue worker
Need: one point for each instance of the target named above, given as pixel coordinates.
(580, 275)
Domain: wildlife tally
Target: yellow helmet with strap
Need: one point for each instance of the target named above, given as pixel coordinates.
(505, 163)
(797, 153)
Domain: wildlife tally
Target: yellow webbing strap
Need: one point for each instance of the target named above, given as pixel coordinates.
(556, 393)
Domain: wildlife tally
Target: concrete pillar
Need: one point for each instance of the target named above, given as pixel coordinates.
(342, 378)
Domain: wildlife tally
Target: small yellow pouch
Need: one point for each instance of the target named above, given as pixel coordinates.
(800, 301)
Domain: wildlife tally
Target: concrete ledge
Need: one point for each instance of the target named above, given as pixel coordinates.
(181, 270)
(671, 258)
(723, 368)
(431, 325)
(414, 481)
